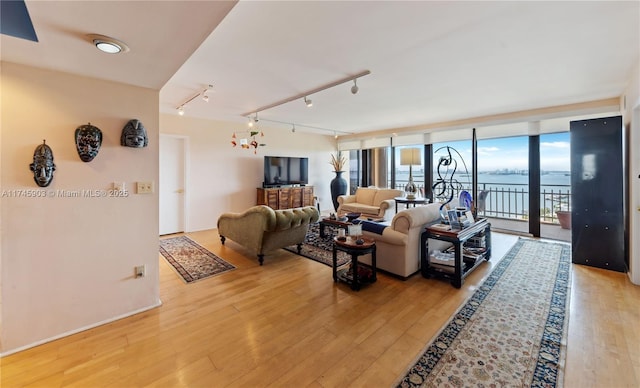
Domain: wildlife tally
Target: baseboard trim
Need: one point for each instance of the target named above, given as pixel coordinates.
(81, 329)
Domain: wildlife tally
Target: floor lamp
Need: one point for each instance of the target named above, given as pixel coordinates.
(410, 157)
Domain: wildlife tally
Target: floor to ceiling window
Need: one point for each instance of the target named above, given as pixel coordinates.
(354, 171)
(503, 177)
(505, 191)
(555, 181)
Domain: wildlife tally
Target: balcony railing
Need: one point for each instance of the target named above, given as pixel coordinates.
(511, 201)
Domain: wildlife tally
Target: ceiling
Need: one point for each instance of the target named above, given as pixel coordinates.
(430, 61)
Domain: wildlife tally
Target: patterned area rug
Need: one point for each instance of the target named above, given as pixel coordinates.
(320, 249)
(190, 260)
(511, 332)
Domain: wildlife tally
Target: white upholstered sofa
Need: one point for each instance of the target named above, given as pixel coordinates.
(398, 244)
(370, 201)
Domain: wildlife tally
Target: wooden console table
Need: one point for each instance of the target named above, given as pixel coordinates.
(462, 267)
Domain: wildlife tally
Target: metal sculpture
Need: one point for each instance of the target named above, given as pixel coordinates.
(446, 186)
(43, 166)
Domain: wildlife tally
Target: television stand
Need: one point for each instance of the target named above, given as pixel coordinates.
(285, 197)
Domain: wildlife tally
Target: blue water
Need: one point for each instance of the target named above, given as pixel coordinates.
(509, 192)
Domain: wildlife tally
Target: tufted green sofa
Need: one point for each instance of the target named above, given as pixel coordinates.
(263, 230)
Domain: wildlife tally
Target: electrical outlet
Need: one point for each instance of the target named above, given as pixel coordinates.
(118, 186)
(145, 187)
(140, 271)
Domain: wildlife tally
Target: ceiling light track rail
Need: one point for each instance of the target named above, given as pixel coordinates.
(306, 94)
(202, 93)
(296, 125)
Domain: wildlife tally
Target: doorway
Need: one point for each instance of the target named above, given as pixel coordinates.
(173, 152)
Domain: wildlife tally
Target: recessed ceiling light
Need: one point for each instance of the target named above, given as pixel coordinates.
(108, 45)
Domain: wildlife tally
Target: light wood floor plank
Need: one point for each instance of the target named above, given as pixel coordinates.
(287, 324)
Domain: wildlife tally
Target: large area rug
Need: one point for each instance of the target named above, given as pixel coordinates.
(511, 332)
(190, 260)
(320, 249)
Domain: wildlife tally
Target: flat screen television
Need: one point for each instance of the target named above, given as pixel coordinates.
(285, 170)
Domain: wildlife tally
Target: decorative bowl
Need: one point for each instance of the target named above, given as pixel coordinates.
(352, 216)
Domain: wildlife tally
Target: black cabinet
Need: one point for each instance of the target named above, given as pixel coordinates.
(598, 193)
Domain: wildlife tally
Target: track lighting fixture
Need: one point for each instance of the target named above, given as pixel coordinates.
(294, 127)
(204, 95)
(253, 121)
(304, 95)
(355, 88)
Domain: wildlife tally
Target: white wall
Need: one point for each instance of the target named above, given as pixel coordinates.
(222, 178)
(632, 118)
(67, 262)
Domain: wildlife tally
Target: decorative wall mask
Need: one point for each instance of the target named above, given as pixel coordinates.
(42, 165)
(134, 135)
(88, 141)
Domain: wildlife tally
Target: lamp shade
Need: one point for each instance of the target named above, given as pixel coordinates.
(410, 156)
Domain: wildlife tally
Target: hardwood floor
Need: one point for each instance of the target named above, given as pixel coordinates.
(286, 324)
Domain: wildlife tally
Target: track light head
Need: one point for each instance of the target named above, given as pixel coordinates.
(293, 129)
(181, 110)
(355, 88)
(308, 102)
(205, 96)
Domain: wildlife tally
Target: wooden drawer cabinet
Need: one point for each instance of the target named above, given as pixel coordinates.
(285, 197)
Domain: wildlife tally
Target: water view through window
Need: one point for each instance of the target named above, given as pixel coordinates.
(503, 174)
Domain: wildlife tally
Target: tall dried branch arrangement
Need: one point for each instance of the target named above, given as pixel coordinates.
(338, 161)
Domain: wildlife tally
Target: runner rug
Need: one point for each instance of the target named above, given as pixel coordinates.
(320, 249)
(511, 332)
(190, 260)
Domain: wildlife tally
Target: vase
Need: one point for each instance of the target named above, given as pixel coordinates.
(564, 218)
(338, 188)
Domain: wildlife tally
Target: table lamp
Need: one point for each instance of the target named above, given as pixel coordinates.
(410, 157)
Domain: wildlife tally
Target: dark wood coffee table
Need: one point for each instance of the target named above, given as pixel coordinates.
(407, 202)
(349, 245)
(340, 223)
